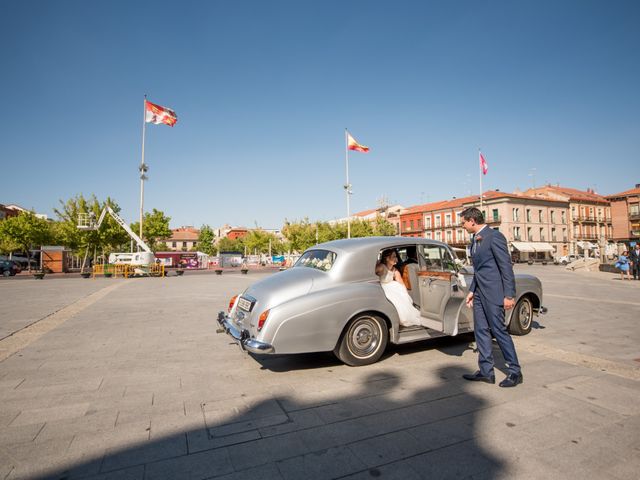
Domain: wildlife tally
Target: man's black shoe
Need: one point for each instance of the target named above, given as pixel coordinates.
(478, 377)
(512, 380)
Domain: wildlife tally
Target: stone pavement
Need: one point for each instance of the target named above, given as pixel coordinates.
(128, 379)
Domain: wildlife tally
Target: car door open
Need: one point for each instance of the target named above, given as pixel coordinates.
(440, 296)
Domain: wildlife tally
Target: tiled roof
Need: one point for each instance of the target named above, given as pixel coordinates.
(364, 213)
(626, 193)
(575, 194)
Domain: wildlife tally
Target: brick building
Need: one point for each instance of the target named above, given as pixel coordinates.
(625, 215)
(589, 214)
(535, 227)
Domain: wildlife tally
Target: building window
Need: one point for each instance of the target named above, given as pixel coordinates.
(496, 216)
(553, 216)
(404, 225)
(516, 214)
(563, 216)
(459, 236)
(427, 221)
(542, 237)
(438, 235)
(553, 234)
(449, 236)
(516, 233)
(411, 223)
(184, 244)
(564, 235)
(540, 216)
(573, 212)
(438, 219)
(447, 220)
(174, 244)
(529, 234)
(195, 243)
(428, 234)
(419, 224)
(528, 215)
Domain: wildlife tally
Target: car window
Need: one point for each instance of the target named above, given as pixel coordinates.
(319, 259)
(437, 258)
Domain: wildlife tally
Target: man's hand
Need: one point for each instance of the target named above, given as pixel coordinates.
(469, 300)
(509, 303)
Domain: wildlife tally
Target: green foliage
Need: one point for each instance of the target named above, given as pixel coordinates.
(24, 232)
(228, 245)
(205, 240)
(110, 237)
(154, 226)
(259, 241)
(302, 235)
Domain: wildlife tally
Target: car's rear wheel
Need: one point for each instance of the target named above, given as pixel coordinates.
(6, 273)
(522, 317)
(364, 340)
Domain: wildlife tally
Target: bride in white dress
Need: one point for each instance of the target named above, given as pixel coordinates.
(395, 290)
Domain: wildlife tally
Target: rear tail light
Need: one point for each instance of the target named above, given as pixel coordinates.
(262, 319)
(232, 301)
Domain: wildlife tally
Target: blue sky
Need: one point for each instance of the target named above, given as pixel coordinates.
(264, 90)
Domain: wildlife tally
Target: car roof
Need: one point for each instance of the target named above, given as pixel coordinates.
(355, 244)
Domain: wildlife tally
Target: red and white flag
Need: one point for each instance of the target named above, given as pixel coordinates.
(156, 114)
(483, 165)
(353, 145)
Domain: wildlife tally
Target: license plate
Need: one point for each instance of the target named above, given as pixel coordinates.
(244, 304)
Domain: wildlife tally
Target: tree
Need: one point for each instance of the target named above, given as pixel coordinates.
(108, 238)
(205, 240)
(226, 244)
(383, 227)
(301, 235)
(24, 231)
(154, 226)
(259, 241)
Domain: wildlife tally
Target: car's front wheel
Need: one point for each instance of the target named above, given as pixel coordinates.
(6, 273)
(522, 317)
(364, 340)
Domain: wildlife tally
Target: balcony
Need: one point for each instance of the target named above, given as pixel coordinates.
(493, 219)
(635, 233)
(586, 236)
(634, 216)
(587, 219)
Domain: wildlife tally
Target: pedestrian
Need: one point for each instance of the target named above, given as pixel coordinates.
(634, 256)
(623, 265)
(491, 292)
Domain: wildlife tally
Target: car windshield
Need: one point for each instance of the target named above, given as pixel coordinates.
(320, 259)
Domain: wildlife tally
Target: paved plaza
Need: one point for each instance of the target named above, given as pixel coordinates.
(127, 379)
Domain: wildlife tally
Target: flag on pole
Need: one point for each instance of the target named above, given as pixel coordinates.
(353, 145)
(157, 115)
(483, 164)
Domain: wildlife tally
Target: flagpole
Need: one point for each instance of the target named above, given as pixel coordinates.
(143, 167)
(347, 186)
(480, 170)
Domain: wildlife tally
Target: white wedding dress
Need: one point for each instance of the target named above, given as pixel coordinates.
(397, 294)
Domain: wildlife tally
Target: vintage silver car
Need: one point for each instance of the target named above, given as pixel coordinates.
(331, 300)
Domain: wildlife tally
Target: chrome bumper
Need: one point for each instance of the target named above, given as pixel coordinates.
(242, 336)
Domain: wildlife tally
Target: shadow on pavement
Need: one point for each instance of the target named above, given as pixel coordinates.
(384, 430)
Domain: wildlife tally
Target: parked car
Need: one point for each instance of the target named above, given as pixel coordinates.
(9, 268)
(331, 300)
(566, 259)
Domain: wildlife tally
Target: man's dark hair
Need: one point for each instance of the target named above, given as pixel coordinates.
(473, 213)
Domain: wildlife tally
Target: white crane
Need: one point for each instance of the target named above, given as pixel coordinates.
(87, 221)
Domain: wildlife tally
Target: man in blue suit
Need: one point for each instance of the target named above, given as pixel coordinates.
(491, 292)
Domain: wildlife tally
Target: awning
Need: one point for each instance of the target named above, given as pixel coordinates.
(543, 247)
(523, 246)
